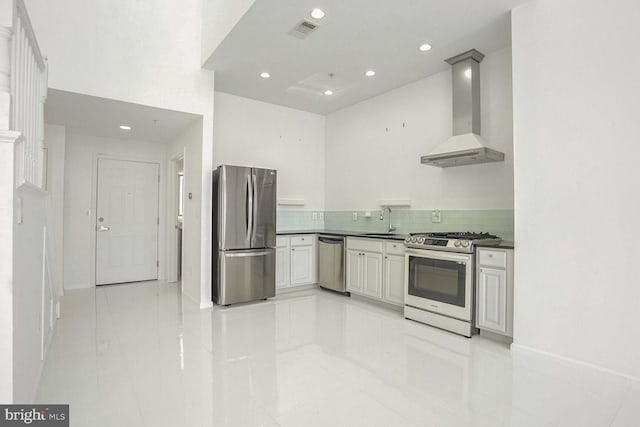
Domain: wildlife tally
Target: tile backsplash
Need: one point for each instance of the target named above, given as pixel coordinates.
(495, 221)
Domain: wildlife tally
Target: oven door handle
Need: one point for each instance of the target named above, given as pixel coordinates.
(442, 255)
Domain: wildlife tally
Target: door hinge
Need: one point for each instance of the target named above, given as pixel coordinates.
(157, 263)
(158, 178)
(158, 220)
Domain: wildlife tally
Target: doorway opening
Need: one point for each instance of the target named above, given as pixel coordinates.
(176, 215)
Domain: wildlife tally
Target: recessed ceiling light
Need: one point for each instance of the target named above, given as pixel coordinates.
(125, 127)
(370, 73)
(328, 92)
(317, 13)
(425, 47)
(265, 75)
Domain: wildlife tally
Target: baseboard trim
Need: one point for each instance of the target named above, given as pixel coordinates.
(206, 304)
(519, 348)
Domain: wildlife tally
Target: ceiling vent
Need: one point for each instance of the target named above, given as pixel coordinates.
(303, 29)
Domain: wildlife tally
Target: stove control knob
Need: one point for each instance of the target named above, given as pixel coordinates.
(465, 243)
(421, 240)
(456, 243)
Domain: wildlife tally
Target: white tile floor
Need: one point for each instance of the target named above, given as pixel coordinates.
(141, 355)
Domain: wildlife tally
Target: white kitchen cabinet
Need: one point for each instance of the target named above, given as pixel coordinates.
(394, 278)
(296, 263)
(302, 265)
(372, 277)
(494, 291)
(355, 271)
(282, 262)
(394, 265)
(375, 269)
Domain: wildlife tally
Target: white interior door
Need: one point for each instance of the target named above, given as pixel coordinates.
(126, 221)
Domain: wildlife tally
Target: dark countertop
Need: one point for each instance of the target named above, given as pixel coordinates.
(504, 245)
(345, 234)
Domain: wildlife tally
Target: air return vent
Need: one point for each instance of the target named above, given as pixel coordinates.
(303, 29)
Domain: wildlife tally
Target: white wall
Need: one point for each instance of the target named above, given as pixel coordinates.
(55, 140)
(189, 143)
(218, 19)
(375, 146)
(27, 294)
(576, 147)
(146, 52)
(79, 199)
(255, 133)
(6, 266)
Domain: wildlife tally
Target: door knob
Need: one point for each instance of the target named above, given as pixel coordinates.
(103, 228)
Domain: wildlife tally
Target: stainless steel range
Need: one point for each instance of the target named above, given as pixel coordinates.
(439, 279)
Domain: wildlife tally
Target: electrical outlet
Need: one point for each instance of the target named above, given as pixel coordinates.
(436, 216)
(321, 216)
(314, 216)
(355, 216)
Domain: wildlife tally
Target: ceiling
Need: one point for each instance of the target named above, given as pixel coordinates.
(353, 37)
(102, 117)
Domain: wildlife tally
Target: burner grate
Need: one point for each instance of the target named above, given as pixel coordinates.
(466, 235)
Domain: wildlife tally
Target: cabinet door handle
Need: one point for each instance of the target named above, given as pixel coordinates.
(490, 255)
(292, 249)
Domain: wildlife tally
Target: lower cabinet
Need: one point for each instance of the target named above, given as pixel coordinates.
(494, 291)
(296, 263)
(375, 269)
(355, 271)
(302, 265)
(282, 262)
(394, 278)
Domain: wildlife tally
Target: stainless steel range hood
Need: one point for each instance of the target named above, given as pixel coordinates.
(466, 146)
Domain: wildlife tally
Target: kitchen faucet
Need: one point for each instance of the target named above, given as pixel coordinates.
(391, 227)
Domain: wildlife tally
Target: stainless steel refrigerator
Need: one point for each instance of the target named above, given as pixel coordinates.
(244, 234)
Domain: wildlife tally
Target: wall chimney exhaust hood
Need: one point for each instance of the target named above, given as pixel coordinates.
(466, 146)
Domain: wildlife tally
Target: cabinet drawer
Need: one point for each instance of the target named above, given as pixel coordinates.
(304, 240)
(282, 242)
(364, 245)
(395, 248)
(492, 258)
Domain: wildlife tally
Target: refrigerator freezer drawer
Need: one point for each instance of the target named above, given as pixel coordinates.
(245, 276)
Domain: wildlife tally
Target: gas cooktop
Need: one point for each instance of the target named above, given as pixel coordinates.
(450, 241)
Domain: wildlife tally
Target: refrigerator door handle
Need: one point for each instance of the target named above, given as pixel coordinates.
(249, 211)
(254, 206)
(246, 254)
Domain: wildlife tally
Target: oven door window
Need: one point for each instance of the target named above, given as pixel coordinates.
(437, 280)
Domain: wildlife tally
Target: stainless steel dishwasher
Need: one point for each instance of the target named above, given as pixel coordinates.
(331, 263)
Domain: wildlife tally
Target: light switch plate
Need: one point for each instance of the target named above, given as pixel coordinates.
(314, 216)
(321, 216)
(436, 216)
(355, 216)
